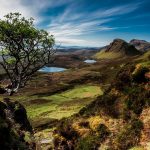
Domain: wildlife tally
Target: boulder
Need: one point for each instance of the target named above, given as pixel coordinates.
(2, 108)
(14, 127)
(20, 116)
(2, 90)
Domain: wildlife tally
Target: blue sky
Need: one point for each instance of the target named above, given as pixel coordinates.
(86, 22)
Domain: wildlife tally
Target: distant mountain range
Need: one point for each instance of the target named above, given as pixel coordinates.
(118, 48)
(76, 47)
(77, 50)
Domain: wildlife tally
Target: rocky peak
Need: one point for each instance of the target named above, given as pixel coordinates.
(141, 45)
(136, 41)
(121, 46)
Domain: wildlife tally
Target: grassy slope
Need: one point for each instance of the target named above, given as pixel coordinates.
(57, 95)
(59, 105)
(62, 94)
(118, 112)
(107, 55)
(145, 56)
(62, 104)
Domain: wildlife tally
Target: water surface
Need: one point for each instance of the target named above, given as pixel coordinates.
(90, 61)
(51, 69)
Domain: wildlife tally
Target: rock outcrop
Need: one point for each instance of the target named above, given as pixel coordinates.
(117, 49)
(140, 45)
(15, 129)
(121, 46)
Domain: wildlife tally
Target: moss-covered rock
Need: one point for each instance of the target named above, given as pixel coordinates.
(13, 128)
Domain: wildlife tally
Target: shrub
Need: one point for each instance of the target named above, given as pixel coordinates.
(138, 74)
(93, 141)
(107, 104)
(137, 99)
(129, 136)
(65, 130)
(123, 77)
(87, 143)
(102, 131)
(94, 122)
(81, 127)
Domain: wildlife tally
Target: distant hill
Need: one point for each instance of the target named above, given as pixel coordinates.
(85, 52)
(140, 45)
(118, 48)
(70, 49)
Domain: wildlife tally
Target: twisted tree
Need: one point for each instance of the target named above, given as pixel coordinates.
(24, 49)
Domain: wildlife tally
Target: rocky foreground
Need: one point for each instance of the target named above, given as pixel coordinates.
(15, 129)
(117, 120)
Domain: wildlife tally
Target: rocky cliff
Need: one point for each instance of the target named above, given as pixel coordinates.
(141, 45)
(119, 45)
(117, 49)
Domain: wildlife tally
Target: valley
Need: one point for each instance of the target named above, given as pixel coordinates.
(74, 75)
(50, 97)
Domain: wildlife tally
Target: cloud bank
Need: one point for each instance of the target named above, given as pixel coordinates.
(72, 22)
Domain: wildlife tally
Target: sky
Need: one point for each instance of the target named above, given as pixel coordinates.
(91, 23)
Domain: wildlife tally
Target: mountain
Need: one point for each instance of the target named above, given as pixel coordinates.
(140, 45)
(118, 48)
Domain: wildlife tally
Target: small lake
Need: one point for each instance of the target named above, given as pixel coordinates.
(52, 69)
(90, 61)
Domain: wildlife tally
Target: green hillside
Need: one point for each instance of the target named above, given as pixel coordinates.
(117, 120)
(117, 49)
(108, 55)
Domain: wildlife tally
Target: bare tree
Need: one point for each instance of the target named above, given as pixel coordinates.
(24, 49)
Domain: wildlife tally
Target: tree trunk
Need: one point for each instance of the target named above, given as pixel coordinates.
(13, 90)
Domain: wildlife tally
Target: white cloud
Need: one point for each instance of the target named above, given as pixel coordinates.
(70, 25)
(15, 6)
(115, 11)
(29, 8)
(69, 41)
(74, 29)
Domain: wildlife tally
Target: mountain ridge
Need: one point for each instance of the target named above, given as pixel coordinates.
(141, 45)
(116, 49)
